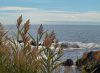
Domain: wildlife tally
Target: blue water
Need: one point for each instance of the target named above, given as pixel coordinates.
(71, 33)
(82, 33)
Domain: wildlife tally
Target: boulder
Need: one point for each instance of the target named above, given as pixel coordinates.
(90, 62)
(68, 62)
(69, 45)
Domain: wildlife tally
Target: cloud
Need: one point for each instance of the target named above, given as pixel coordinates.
(38, 16)
(14, 8)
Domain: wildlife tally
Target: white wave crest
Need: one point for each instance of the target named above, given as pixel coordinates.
(78, 45)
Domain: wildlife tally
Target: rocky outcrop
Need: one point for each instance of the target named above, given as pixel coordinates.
(69, 45)
(68, 62)
(90, 61)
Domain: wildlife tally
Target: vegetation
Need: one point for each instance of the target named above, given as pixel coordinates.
(24, 54)
(90, 62)
(16, 57)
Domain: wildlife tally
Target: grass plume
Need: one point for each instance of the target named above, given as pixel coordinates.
(23, 58)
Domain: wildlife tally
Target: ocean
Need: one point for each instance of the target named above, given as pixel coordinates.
(86, 36)
(71, 33)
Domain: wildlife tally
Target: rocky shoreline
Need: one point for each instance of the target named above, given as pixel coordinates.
(88, 63)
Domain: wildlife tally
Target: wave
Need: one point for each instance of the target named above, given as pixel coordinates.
(78, 45)
(66, 45)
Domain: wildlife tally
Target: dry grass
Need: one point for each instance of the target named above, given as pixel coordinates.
(17, 58)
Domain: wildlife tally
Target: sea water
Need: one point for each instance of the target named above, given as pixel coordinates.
(86, 36)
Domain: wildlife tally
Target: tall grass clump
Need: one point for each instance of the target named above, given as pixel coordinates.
(24, 54)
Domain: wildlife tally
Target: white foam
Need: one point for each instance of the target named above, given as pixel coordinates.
(80, 44)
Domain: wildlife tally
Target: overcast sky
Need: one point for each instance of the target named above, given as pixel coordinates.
(50, 11)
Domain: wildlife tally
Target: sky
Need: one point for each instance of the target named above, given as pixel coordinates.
(50, 11)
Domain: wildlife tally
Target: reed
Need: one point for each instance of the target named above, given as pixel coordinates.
(23, 58)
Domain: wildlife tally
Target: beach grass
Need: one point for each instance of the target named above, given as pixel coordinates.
(24, 53)
(18, 57)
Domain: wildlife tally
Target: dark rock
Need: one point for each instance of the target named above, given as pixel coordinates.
(64, 45)
(68, 62)
(69, 45)
(87, 57)
(20, 41)
(33, 43)
(90, 55)
(75, 46)
(90, 61)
